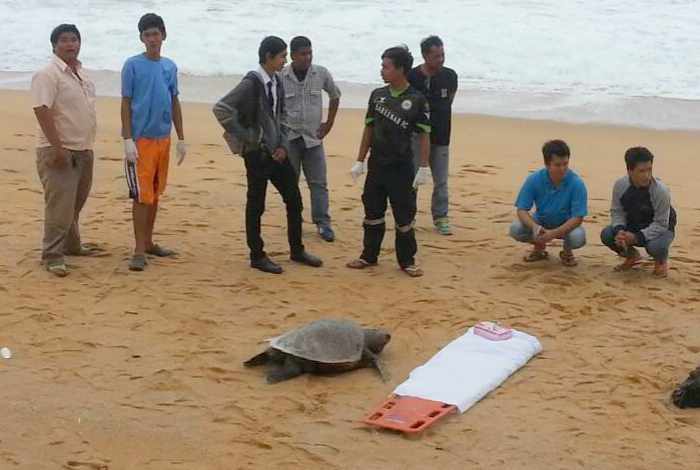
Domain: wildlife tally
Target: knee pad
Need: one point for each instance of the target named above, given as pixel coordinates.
(405, 229)
(373, 222)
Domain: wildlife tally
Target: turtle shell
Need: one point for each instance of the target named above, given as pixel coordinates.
(326, 341)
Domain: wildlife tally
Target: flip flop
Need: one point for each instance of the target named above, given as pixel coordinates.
(567, 259)
(359, 263)
(661, 270)
(412, 270)
(157, 250)
(58, 269)
(137, 263)
(535, 255)
(628, 264)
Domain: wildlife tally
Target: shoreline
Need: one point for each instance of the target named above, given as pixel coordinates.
(652, 113)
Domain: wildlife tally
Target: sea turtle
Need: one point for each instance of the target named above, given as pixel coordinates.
(322, 347)
(687, 395)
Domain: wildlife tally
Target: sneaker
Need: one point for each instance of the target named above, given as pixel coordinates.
(443, 227)
(326, 233)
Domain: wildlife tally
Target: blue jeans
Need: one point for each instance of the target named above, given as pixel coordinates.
(572, 240)
(439, 167)
(313, 161)
(657, 248)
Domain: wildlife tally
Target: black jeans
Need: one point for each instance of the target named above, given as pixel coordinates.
(394, 182)
(260, 167)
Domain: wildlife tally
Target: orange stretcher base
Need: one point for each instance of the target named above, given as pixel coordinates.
(408, 414)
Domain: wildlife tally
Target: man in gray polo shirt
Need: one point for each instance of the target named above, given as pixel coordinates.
(303, 83)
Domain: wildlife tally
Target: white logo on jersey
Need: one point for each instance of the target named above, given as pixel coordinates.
(443, 93)
(406, 105)
(390, 115)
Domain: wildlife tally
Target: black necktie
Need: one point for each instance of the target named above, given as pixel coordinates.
(270, 99)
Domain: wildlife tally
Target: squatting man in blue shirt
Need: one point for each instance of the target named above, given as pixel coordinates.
(560, 200)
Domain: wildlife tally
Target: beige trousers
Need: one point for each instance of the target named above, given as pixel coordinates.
(65, 192)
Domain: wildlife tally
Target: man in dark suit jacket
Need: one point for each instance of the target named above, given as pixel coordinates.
(251, 114)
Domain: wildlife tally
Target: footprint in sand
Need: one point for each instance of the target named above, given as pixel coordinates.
(89, 465)
(35, 191)
(469, 168)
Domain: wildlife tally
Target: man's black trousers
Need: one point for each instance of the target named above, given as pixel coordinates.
(260, 167)
(395, 183)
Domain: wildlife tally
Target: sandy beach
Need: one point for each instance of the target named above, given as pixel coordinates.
(119, 370)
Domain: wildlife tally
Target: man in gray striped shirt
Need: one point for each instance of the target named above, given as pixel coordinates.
(303, 85)
(642, 214)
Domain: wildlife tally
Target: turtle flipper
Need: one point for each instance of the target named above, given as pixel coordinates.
(687, 395)
(289, 369)
(374, 361)
(260, 359)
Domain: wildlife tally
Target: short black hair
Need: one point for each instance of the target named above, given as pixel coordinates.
(299, 42)
(270, 45)
(61, 29)
(429, 42)
(636, 155)
(400, 56)
(554, 147)
(151, 20)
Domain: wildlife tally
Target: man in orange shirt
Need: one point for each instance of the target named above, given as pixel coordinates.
(64, 105)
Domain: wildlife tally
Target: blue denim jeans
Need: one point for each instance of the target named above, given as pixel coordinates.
(657, 248)
(572, 240)
(313, 161)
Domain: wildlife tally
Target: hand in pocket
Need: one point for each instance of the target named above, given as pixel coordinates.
(58, 158)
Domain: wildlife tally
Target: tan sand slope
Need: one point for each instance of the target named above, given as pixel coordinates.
(118, 370)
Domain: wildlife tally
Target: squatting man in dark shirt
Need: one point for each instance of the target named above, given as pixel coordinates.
(642, 214)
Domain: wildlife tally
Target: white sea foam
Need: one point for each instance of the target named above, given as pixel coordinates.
(623, 61)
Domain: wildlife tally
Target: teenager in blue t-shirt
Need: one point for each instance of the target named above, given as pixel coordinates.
(561, 202)
(150, 107)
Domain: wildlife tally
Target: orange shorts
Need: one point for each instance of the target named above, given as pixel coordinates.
(147, 177)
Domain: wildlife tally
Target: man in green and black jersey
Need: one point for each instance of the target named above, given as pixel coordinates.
(394, 113)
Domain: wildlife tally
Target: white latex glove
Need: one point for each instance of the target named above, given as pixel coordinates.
(536, 231)
(423, 176)
(358, 169)
(181, 151)
(131, 153)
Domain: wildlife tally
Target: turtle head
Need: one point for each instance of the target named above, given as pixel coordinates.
(376, 339)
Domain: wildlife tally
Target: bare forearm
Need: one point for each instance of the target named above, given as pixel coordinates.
(45, 118)
(333, 109)
(177, 118)
(567, 227)
(126, 118)
(365, 143)
(424, 149)
(525, 217)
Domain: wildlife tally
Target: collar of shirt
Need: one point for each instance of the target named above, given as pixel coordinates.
(562, 184)
(65, 67)
(266, 77)
(289, 72)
